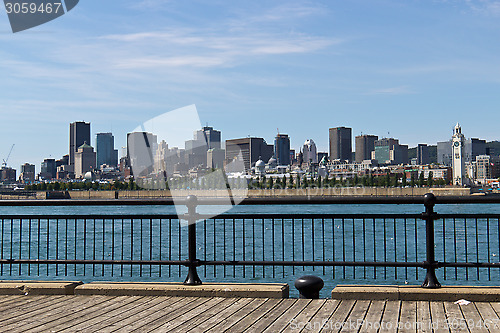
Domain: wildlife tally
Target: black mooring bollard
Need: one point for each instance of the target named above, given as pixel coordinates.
(309, 286)
(429, 216)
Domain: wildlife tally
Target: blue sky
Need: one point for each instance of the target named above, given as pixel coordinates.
(406, 69)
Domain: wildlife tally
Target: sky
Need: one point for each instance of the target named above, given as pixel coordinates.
(405, 69)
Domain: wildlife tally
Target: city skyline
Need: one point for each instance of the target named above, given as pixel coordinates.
(381, 67)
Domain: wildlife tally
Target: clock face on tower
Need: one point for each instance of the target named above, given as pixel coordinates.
(456, 143)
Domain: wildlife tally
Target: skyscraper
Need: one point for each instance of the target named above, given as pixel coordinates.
(141, 150)
(106, 152)
(282, 149)
(340, 143)
(423, 154)
(210, 136)
(365, 144)
(309, 152)
(85, 159)
(79, 133)
(251, 149)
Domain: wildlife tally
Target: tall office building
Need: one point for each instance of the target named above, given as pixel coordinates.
(340, 143)
(423, 154)
(79, 133)
(106, 152)
(27, 173)
(365, 144)
(141, 151)
(48, 168)
(251, 149)
(282, 149)
(309, 152)
(389, 151)
(210, 136)
(85, 160)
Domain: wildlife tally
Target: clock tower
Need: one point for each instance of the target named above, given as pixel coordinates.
(457, 148)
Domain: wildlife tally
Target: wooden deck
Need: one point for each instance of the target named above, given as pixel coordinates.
(186, 314)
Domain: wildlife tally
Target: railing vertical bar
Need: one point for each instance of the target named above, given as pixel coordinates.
(488, 249)
(11, 243)
(466, 251)
(313, 241)
(303, 243)
(253, 247)
(322, 243)
(29, 247)
(84, 242)
(93, 246)
(353, 247)
(57, 245)
(416, 241)
(76, 246)
(65, 246)
(395, 249)
(141, 246)
(477, 248)
(455, 245)
(21, 242)
(160, 248)
(122, 245)
(179, 245)
(385, 247)
(293, 245)
(283, 246)
(224, 247)
(150, 245)
(131, 244)
(273, 246)
(48, 244)
(364, 247)
(112, 245)
(215, 247)
(103, 243)
(38, 244)
(343, 247)
(1, 251)
(205, 246)
(374, 248)
(406, 246)
(444, 246)
(263, 248)
(234, 246)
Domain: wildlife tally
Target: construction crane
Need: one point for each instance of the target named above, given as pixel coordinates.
(4, 164)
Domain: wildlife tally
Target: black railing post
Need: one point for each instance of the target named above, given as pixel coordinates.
(192, 278)
(429, 216)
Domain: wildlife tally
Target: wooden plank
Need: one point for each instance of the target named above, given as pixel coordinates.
(166, 313)
(255, 315)
(489, 315)
(25, 305)
(247, 310)
(424, 321)
(218, 316)
(269, 317)
(36, 310)
(456, 321)
(321, 318)
(104, 318)
(439, 320)
(190, 314)
(373, 318)
(473, 318)
(8, 299)
(355, 320)
(48, 313)
(65, 320)
(339, 317)
(390, 318)
(303, 317)
(292, 313)
(153, 309)
(408, 317)
(207, 315)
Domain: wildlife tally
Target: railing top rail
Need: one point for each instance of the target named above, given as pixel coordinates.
(316, 200)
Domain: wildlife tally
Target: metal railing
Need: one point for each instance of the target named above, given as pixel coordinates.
(353, 246)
